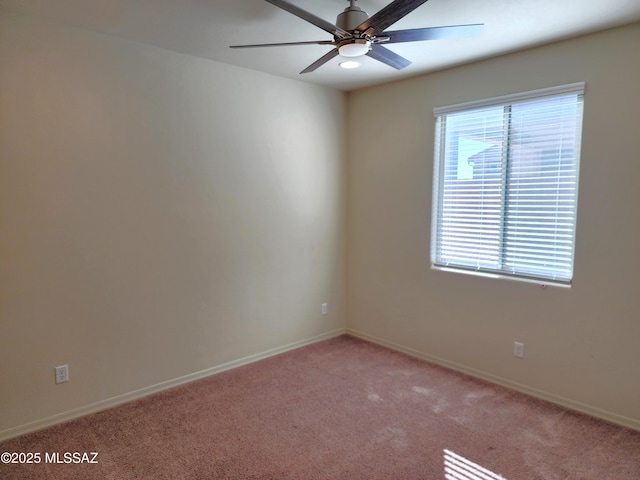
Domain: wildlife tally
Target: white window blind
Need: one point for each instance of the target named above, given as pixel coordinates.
(505, 186)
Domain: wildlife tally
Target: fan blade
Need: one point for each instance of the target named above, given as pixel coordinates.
(321, 61)
(433, 33)
(311, 18)
(319, 42)
(385, 55)
(389, 15)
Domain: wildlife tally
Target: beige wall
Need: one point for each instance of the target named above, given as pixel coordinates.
(582, 345)
(160, 215)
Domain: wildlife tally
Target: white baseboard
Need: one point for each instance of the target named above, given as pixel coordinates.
(143, 392)
(534, 392)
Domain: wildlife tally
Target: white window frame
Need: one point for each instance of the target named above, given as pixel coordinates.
(440, 113)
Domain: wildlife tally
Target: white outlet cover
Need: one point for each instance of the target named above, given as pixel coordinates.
(62, 373)
(518, 349)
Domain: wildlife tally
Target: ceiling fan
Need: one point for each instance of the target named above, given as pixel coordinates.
(356, 34)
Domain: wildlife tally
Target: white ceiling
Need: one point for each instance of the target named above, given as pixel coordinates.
(206, 28)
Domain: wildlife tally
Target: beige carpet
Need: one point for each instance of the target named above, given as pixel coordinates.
(339, 409)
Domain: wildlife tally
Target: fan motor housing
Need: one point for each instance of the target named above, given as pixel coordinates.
(351, 18)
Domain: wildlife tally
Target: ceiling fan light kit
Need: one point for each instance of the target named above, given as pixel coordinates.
(356, 34)
(355, 48)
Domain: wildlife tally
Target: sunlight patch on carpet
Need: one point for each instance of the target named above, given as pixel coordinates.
(456, 467)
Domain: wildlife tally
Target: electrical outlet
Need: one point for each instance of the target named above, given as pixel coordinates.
(324, 309)
(518, 349)
(62, 373)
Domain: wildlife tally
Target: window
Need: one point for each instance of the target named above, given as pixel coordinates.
(505, 185)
